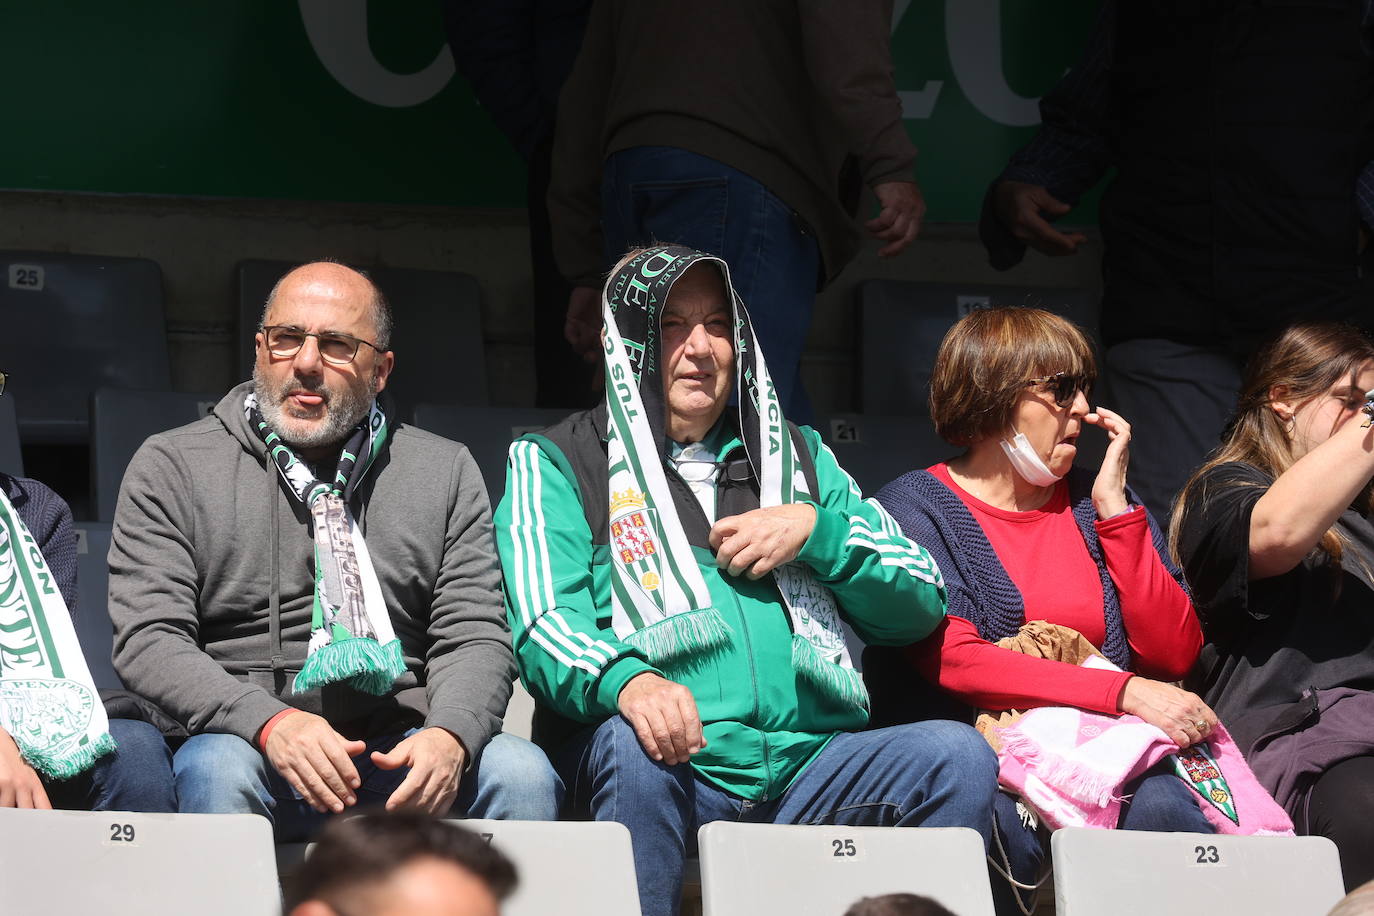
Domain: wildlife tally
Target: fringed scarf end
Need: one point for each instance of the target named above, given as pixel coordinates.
(691, 634)
(365, 664)
(844, 684)
(59, 767)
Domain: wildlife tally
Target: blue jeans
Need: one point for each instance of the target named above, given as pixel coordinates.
(662, 194)
(218, 773)
(932, 774)
(136, 777)
(1158, 801)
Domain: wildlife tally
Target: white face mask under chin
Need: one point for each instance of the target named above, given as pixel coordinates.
(1027, 463)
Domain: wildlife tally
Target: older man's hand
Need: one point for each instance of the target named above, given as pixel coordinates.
(435, 758)
(758, 542)
(315, 760)
(664, 716)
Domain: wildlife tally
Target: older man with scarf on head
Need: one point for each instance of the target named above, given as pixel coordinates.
(311, 588)
(677, 569)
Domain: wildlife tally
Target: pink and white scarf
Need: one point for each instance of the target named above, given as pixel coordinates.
(1070, 767)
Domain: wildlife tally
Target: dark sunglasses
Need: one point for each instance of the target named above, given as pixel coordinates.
(1064, 386)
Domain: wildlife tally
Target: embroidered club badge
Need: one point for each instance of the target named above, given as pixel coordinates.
(1198, 768)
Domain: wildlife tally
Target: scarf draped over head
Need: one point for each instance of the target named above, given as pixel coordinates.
(661, 604)
(351, 638)
(48, 701)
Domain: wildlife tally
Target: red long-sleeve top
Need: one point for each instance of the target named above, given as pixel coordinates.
(1045, 558)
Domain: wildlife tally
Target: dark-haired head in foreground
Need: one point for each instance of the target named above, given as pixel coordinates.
(897, 905)
(387, 864)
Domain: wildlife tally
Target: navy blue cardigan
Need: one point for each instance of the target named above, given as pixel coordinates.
(49, 520)
(978, 587)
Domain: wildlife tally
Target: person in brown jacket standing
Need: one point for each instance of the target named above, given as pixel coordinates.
(741, 129)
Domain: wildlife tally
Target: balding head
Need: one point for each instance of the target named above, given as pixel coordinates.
(341, 281)
(325, 358)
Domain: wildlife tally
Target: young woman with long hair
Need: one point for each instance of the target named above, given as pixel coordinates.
(1275, 537)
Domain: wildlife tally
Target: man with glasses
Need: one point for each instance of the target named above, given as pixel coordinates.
(311, 589)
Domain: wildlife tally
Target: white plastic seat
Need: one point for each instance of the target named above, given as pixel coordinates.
(520, 713)
(122, 864)
(750, 869)
(1137, 872)
(572, 869)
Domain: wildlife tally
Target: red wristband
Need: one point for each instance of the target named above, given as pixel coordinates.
(271, 724)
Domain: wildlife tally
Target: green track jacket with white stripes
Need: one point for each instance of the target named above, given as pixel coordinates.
(762, 721)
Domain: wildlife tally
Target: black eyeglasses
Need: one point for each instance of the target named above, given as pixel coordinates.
(1064, 387)
(284, 342)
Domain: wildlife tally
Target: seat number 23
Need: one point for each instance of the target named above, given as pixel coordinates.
(1206, 855)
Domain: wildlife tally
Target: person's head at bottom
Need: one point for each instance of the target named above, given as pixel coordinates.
(897, 905)
(394, 863)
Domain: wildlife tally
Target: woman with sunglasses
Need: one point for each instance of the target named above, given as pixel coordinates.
(1274, 532)
(1021, 535)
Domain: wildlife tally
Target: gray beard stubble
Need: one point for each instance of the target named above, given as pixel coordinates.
(343, 411)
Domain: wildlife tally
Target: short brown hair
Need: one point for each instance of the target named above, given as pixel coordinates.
(898, 905)
(354, 853)
(986, 359)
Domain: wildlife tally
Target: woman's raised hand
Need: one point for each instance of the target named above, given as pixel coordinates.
(1109, 490)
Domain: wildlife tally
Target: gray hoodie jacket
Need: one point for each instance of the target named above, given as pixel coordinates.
(200, 520)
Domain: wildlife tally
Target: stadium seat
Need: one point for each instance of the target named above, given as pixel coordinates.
(572, 869)
(487, 432)
(74, 323)
(902, 324)
(11, 460)
(121, 864)
(92, 612)
(121, 420)
(878, 449)
(747, 869)
(520, 713)
(1135, 872)
(440, 353)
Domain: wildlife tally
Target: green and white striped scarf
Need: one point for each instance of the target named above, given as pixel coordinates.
(48, 702)
(661, 604)
(351, 638)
